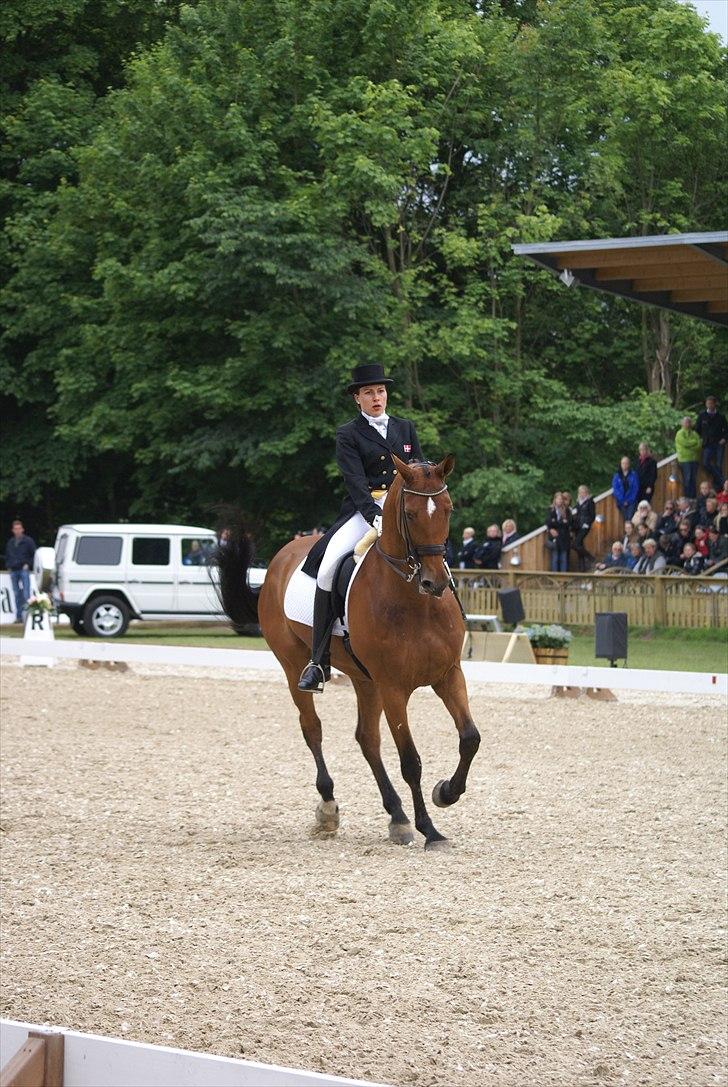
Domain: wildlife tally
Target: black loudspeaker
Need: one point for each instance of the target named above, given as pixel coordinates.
(511, 605)
(611, 635)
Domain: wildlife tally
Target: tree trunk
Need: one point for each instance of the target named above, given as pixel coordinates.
(657, 351)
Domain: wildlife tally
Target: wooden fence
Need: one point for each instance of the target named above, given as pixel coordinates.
(678, 601)
(530, 552)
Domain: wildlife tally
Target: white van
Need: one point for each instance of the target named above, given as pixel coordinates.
(106, 575)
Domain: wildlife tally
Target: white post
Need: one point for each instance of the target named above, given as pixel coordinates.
(38, 628)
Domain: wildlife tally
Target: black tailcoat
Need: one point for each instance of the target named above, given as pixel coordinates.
(364, 459)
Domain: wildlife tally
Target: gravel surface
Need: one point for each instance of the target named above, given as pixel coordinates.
(162, 882)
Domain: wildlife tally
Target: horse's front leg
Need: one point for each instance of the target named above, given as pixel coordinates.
(395, 709)
(454, 694)
(369, 739)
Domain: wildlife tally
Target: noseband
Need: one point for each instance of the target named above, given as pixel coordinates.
(409, 567)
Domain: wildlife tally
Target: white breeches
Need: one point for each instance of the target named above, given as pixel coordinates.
(344, 539)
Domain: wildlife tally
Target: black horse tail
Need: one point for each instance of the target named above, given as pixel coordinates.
(232, 560)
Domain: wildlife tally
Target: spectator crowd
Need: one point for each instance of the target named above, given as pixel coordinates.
(689, 535)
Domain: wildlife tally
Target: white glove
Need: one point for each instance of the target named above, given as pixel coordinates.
(377, 524)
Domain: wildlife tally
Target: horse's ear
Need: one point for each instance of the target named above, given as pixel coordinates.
(446, 466)
(404, 469)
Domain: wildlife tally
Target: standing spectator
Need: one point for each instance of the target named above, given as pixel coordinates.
(712, 427)
(509, 528)
(688, 447)
(558, 525)
(652, 561)
(466, 554)
(646, 473)
(487, 556)
(717, 547)
(625, 486)
(582, 521)
(19, 553)
(667, 524)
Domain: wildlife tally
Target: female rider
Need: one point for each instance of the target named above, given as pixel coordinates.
(363, 448)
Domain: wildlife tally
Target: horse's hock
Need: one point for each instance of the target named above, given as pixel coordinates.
(170, 877)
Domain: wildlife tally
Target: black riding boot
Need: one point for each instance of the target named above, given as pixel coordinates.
(318, 669)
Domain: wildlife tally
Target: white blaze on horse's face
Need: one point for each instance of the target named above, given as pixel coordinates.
(431, 507)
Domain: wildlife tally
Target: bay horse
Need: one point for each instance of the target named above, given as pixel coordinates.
(406, 627)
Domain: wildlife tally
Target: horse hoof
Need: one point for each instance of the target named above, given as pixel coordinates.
(401, 833)
(327, 816)
(438, 845)
(438, 798)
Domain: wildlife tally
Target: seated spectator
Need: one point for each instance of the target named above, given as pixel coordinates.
(645, 515)
(705, 491)
(671, 545)
(721, 521)
(625, 487)
(466, 554)
(583, 518)
(689, 447)
(643, 533)
(686, 511)
(717, 547)
(700, 541)
(652, 561)
(692, 562)
(633, 555)
(722, 496)
(510, 532)
(684, 534)
(558, 533)
(667, 523)
(646, 473)
(488, 554)
(614, 560)
(708, 514)
(630, 534)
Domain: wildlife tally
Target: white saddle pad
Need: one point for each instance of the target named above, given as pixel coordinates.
(298, 601)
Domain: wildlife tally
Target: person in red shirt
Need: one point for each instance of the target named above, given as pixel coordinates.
(700, 541)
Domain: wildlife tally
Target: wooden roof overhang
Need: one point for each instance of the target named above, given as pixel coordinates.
(687, 273)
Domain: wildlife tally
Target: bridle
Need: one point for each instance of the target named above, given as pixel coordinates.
(409, 567)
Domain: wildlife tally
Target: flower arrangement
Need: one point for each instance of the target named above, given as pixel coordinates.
(39, 603)
(548, 637)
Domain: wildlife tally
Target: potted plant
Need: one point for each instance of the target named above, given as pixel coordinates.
(550, 644)
(39, 604)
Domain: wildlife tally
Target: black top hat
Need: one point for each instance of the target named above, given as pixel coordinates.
(369, 373)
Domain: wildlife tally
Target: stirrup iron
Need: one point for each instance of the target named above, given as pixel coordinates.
(314, 683)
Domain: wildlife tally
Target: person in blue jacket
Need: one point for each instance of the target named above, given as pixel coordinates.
(626, 486)
(19, 553)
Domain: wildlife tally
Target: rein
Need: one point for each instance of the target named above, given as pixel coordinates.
(409, 568)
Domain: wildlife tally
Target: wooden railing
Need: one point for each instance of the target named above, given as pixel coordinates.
(530, 551)
(674, 601)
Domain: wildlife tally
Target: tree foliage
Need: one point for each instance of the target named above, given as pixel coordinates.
(276, 192)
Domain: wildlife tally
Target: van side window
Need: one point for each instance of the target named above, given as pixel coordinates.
(197, 552)
(98, 550)
(150, 551)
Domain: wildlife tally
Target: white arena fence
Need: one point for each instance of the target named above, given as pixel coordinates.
(615, 679)
(92, 1061)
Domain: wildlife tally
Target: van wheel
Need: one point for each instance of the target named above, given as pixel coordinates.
(106, 617)
(77, 624)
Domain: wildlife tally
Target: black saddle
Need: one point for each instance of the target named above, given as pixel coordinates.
(342, 577)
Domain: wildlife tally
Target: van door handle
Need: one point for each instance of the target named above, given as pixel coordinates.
(184, 581)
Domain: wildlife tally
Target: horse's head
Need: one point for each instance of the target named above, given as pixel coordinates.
(418, 510)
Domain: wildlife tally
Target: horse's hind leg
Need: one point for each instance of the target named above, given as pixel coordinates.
(454, 694)
(327, 810)
(395, 708)
(369, 739)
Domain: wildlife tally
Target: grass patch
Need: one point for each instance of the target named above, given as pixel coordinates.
(670, 648)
